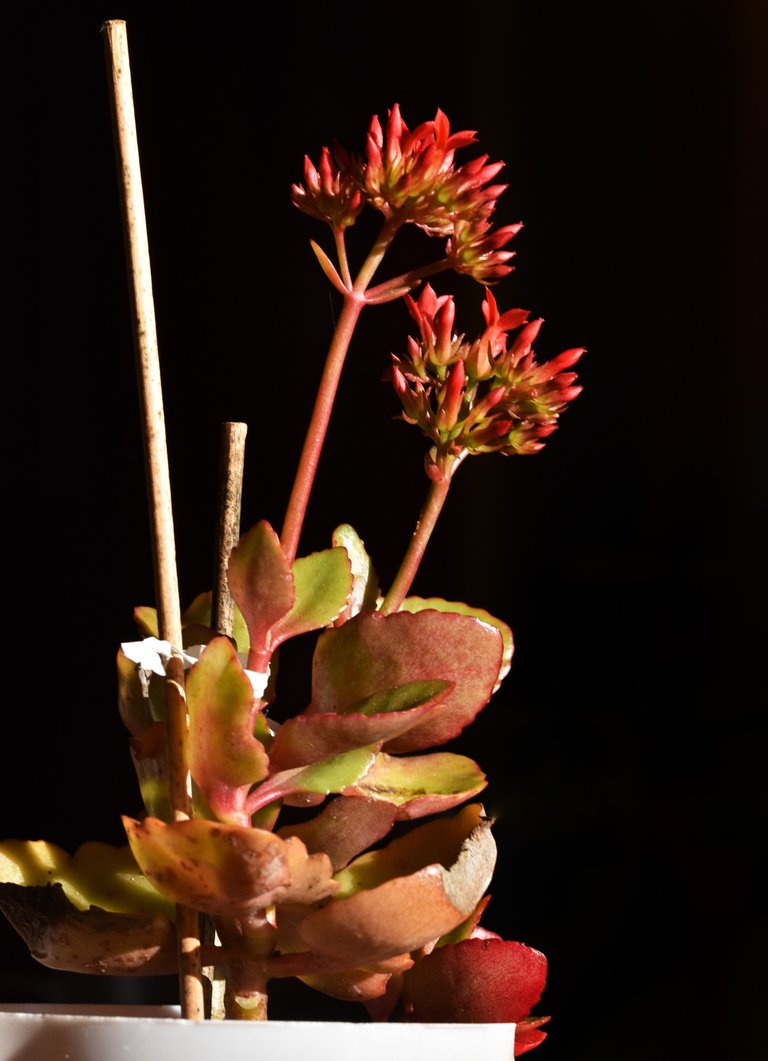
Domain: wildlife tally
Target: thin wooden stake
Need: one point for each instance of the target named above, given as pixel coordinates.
(230, 495)
(231, 464)
(158, 476)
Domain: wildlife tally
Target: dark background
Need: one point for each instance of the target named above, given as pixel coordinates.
(625, 751)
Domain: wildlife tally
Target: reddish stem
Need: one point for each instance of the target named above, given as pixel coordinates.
(318, 426)
(326, 394)
(438, 491)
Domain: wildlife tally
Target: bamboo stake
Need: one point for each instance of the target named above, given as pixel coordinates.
(230, 496)
(231, 464)
(158, 477)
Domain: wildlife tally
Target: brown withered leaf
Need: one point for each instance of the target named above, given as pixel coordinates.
(60, 936)
(227, 870)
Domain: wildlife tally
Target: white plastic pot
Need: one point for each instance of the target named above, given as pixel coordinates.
(149, 1033)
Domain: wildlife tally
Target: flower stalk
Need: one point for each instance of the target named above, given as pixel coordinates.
(354, 301)
(433, 506)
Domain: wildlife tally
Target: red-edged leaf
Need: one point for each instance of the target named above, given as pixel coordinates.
(312, 736)
(225, 757)
(373, 652)
(261, 585)
(344, 828)
(419, 604)
(476, 981)
(421, 784)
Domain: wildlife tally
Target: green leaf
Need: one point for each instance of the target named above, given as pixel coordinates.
(421, 784)
(199, 614)
(97, 874)
(146, 620)
(330, 775)
(365, 584)
(225, 756)
(401, 698)
(420, 604)
(323, 583)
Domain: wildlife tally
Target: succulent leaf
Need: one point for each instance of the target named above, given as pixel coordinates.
(312, 736)
(420, 604)
(199, 614)
(373, 653)
(261, 585)
(146, 620)
(150, 759)
(408, 894)
(323, 585)
(365, 583)
(421, 784)
(226, 759)
(227, 870)
(477, 981)
(328, 775)
(132, 704)
(466, 928)
(97, 874)
(344, 828)
(61, 936)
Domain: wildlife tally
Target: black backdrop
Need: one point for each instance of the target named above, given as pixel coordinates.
(624, 751)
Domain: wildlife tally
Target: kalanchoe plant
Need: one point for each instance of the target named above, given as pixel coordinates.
(326, 894)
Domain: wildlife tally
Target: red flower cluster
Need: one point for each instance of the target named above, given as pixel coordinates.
(410, 177)
(333, 191)
(484, 396)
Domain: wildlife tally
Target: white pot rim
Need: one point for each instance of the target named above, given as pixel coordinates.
(71, 1032)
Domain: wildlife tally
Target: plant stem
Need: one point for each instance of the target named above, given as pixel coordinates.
(391, 288)
(158, 477)
(246, 991)
(326, 394)
(438, 491)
